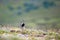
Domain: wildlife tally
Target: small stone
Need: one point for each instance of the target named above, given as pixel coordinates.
(12, 30)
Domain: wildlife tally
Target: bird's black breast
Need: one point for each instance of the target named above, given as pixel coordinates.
(23, 25)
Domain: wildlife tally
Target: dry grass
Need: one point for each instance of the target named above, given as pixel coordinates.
(28, 34)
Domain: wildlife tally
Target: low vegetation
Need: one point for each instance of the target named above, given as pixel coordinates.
(28, 34)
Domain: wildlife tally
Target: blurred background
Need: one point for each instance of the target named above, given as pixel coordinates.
(39, 14)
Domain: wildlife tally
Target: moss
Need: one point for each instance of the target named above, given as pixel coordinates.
(57, 37)
(33, 38)
(52, 33)
(2, 31)
(47, 38)
(15, 38)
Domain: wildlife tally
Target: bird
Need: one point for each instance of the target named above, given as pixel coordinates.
(23, 27)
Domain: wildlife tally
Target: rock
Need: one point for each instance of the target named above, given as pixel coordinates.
(12, 30)
(44, 34)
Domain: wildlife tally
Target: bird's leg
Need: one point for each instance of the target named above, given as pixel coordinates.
(23, 28)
